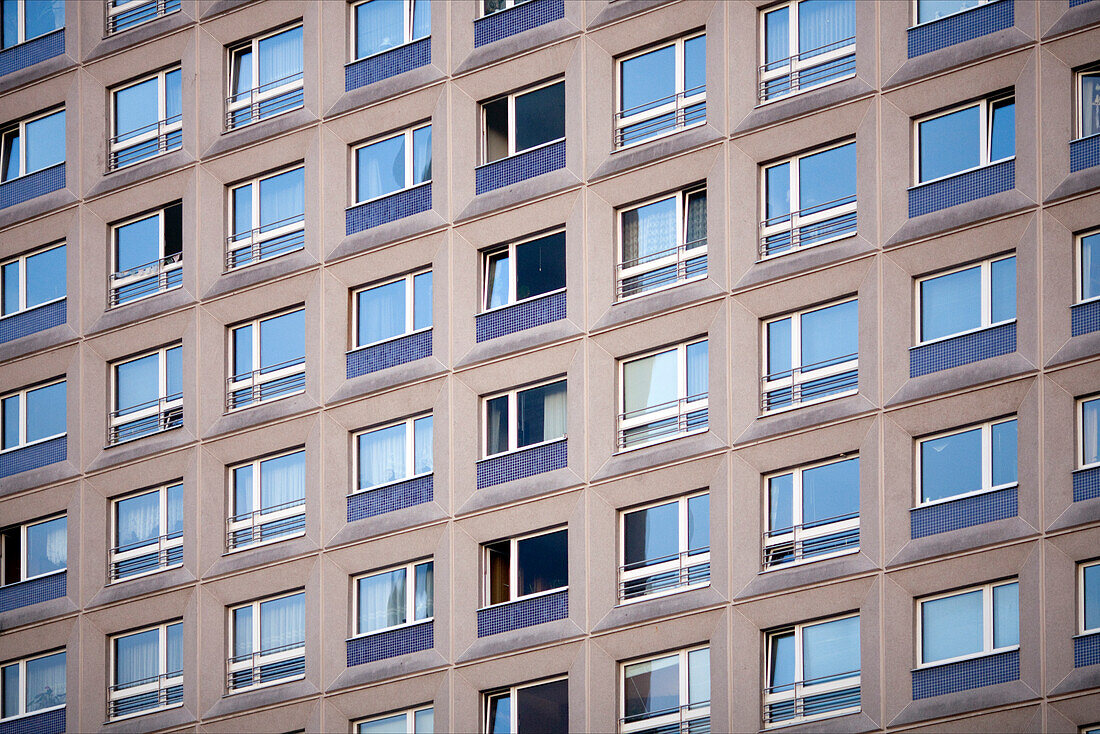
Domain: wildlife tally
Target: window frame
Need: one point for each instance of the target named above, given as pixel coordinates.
(985, 153)
(798, 685)
(20, 129)
(680, 408)
(1079, 94)
(511, 97)
(410, 451)
(1081, 567)
(22, 663)
(797, 533)
(410, 308)
(408, 19)
(298, 650)
(23, 527)
(680, 100)
(256, 237)
(683, 563)
(410, 598)
(410, 718)
(410, 156)
(163, 542)
(986, 315)
(513, 568)
(489, 253)
(684, 713)
(161, 681)
(257, 517)
(165, 403)
(252, 96)
(1080, 421)
(916, 12)
(1079, 267)
(508, 5)
(22, 393)
(511, 691)
(163, 126)
(22, 260)
(986, 459)
(987, 624)
(21, 26)
(793, 64)
(513, 417)
(681, 252)
(253, 381)
(115, 282)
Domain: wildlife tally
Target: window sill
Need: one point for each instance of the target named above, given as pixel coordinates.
(956, 174)
(261, 686)
(384, 630)
(261, 543)
(387, 340)
(807, 403)
(964, 658)
(521, 449)
(967, 495)
(388, 485)
(968, 332)
(376, 54)
(661, 135)
(28, 309)
(28, 714)
(387, 194)
(521, 599)
(32, 443)
(143, 575)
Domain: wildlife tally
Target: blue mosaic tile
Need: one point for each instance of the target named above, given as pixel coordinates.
(516, 19)
(966, 674)
(25, 188)
(390, 644)
(1084, 153)
(1084, 318)
(523, 613)
(1086, 650)
(1086, 484)
(390, 353)
(963, 513)
(26, 593)
(976, 184)
(33, 320)
(391, 498)
(388, 209)
(974, 23)
(520, 167)
(1075, 3)
(31, 52)
(520, 464)
(388, 63)
(34, 456)
(972, 347)
(526, 315)
(47, 722)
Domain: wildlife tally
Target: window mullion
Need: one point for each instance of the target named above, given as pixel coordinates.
(986, 111)
(511, 124)
(987, 456)
(798, 667)
(796, 498)
(987, 619)
(793, 190)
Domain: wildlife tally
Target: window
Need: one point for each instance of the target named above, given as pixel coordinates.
(268, 500)
(973, 460)
(1090, 597)
(267, 639)
(23, 20)
(813, 671)
(521, 418)
(34, 549)
(147, 255)
(394, 598)
(806, 44)
(966, 624)
(662, 90)
(488, 7)
(523, 120)
(663, 242)
(267, 217)
(33, 414)
(33, 280)
(146, 119)
(667, 693)
(383, 24)
(267, 359)
(146, 671)
(265, 77)
(393, 309)
(1088, 95)
(809, 200)
(664, 394)
(929, 10)
(529, 708)
(1090, 431)
(148, 532)
(395, 163)
(811, 356)
(148, 395)
(524, 270)
(965, 138)
(813, 512)
(31, 685)
(414, 721)
(394, 453)
(967, 299)
(1088, 278)
(32, 145)
(665, 548)
(122, 15)
(521, 567)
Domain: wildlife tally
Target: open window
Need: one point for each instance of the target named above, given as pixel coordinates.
(398, 597)
(146, 255)
(523, 120)
(664, 394)
(541, 706)
(525, 566)
(148, 394)
(965, 138)
(523, 270)
(665, 548)
(662, 242)
(33, 549)
(525, 417)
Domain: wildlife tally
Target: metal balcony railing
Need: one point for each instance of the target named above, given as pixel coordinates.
(151, 140)
(167, 412)
(806, 69)
(658, 116)
(798, 385)
(665, 422)
(685, 719)
(809, 698)
(123, 18)
(665, 573)
(685, 261)
(255, 670)
(269, 240)
(162, 552)
(261, 388)
(145, 280)
(160, 691)
(787, 545)
(259, 103)
(797, 234)
(249, 528)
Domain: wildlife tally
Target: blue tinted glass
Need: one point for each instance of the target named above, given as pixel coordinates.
(46, 411)
(242, 490)
(540, 116)
(10, 155)
(951, 304)
(379, 24)
(699, 677)
(242, 210)
(951, 465)
(9, 283)
(826, 177)
(46, 142)
(138, 382)
(830, 649)
(282, 480)
(648, 80)
(242, 351)
(43, 16)
(1090, 591)
(173, 642)
(422, 18)
(173, 95)
(695, 65)
(1004, 290)
(698, 368)
(280, 58)
(422, 301)
(652, 687)
(173, 371)
(283, 339)
(830, 491)
(1090, 266)
(422, 444)
(422, 154)
(496, 280)
(136, 109)
(822, 23)
(651, 535)
(779, 347)
(777, 36)
(242, 631)
(500, 714)
(781, 656)
(242, 73)
(137, 657)
(699, 522)
(45, 682)
(174, 501)
(931, 9)
(830, 335)
(951, 626)
(282, 198)
(9, 683)
(9, 20)
(1004, 452)
(389, 725)
(282, 622)
(45, 276)
(1006, 615)
(137, 519)
(381, 167)
(381, 312)
(47, 547)
(950, 143)
(780, 502)
(137, 243)
(382, 456)
(1002, 137)
(9, 406)
(778, 183)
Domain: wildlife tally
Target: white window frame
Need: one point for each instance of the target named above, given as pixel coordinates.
(508, 5)
(159, 269)
(513, 418)
(21, 25)
(1079, 268)
(22, 259)
(916, 12)
(258, 517)
(163, 405)
(410, 598)
(162, 681)
(410, 308)
(679, 721)
(985, 108)
(409, 158)
(1078, 80)
(987, 461)
(409, 714)
(680, 101)
(257, 658)
(987, 624)
(1081, 629)
(252, 96)
(161, 545)
(683, 405)
(680, 255)
(22, 663)
(797, 533)
(798, 688)
(22, 393)
(510, 692)
(986, 305)
(353, 27)
(164, 126)
(794, 65)
(1080, 416)
(513, 568)
(23, 527)
(681, 564)
(254, 379)
(255, 239)
(410, 451)
(489, 254)
(511, 97)
(20, 128)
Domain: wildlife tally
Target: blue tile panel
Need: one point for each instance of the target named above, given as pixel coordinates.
(1086, 484)
(963, 513)
(520, 464)
(390, 353)
(1075, 3)
(1086, 650)
(520, 167)
(523, 613)
(972, 347)
(1084, 153)
(516, 19)
(388, 63)
(31, 52)
(33, 320)
(35, 456)
(964, 187)
(25, 593)
(1084, 318)
(526, 315)
(974, 23)
(390, 644)
(390, 208)
(25, 188)
(966, 674)
(391, 498)
(47, 722)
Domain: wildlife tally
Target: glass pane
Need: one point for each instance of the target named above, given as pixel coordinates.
(777, 180)
(648, 231)
(424, 591)
(651, 687)
(496, 280)
(777, 36)
(9, 681)
(1002, 137)
(382, 601)
(830, 335)
(543, 708)
(242, 72)
(951, 465)
(781, 661)
(381, 166)
(779, 349)
(651, 381)
(542, 563)
(422, 449)
(138, 383)
(11, 423)
(45, 276)
(540, 266)
(695, 65)
(9, 21)
(541, 414)
(136, 109)
(826, 178)
(242, 631)
(46, 142)
(382, 456)
(1006, 615)
(280, 58)
(173, 644)
(242, 211)
(422, 301)
(46, 682)
(496, 130)
(282, 199)
(242, 490)
(173, 371)
(282, 480)
(173, 96)
(951, 626)
(698, 370)
(137, 243)
(500, 714)
(1090, 431)
(46, 413)
(9, 156)
(1090, 268)
(43, 16)
(282, 339)
(242, 352)
(422, 155)
(648, 80)
(138, 520)
(379, 24)
(830, 491)
(951, 304)
(498, 557)
(950, 143)
(540, 116)
(1090, 104)
(696, 230)
(1090, 592)
(391, 724)
(1004, 290)
(282, 622)
(931, 9)
(137, 657)
(47, 547)
(1004, 453)
(699, 523)
(830, 650)
(699, 677)
(822, 23)
(497, 428)
(781, 502)
(422, 18)
(424, 720)
(9, 282)
(174, 498)
(381, 312)
(651, 535)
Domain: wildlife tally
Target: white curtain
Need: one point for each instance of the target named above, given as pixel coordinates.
(136, 656)
(175, 509)
(830, 649)
(650, 381)
(46, 682)
(382, 312)
(380, 24)
(649, 229)
(822, 22)
(381, 601)
(422, 18)
(242, 631)
(280, 56)
(139, 519)
(282, 479)
(423, 442)
(1090, 104)
(425, 590)
(422, 154)
(382, 456)
(698, 366)
(47, 546)
(282, 197)
(554, 411)
(1090, 430)
(282, 622)
(777, 35)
